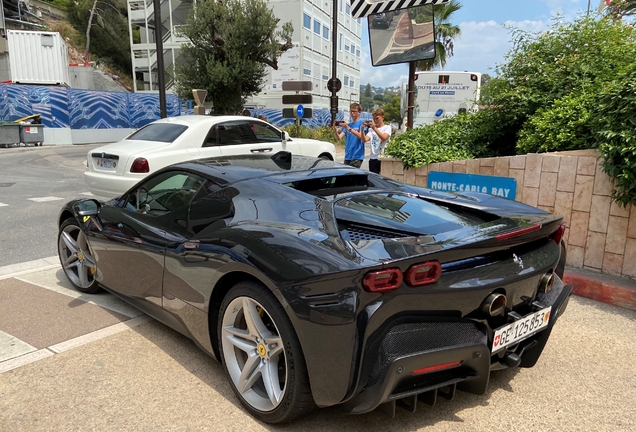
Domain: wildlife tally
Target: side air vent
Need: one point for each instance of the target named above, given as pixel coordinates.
(357, 233)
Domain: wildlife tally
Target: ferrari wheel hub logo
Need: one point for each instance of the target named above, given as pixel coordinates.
(261, 350)
(80, 256)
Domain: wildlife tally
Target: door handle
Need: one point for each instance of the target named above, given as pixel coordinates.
(268, 149)
(258, 150)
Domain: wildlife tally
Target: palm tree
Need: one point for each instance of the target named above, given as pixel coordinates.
(445, 35)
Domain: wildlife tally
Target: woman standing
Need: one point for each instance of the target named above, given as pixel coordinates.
(379, 134)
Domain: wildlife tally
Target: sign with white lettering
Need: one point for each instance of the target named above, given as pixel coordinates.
(457, 182)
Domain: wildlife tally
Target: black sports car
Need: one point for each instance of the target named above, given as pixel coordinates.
(319, 284)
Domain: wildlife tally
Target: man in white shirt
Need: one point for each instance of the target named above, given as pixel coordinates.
(379, 134)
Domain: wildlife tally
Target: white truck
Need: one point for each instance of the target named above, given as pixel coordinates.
(442, 94)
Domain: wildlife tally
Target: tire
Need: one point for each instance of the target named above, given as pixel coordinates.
(249, 363)
(325, 156)
(76, 257)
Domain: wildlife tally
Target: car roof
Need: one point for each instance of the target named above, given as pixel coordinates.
(191, 120)
(280, 167)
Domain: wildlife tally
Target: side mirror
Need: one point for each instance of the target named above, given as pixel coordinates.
(87, 207)
(286, 136)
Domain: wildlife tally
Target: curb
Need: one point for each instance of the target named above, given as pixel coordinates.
(602, 288)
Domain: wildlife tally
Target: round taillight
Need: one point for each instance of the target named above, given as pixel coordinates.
(140, 165)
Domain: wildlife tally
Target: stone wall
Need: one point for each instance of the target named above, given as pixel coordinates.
(600, 235)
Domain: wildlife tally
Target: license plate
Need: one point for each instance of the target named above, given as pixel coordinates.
(521, 329)
(106, 163)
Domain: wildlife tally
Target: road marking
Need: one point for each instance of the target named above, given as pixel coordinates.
(4, 205)
(32, 357)
(87, 193)
(44, 199)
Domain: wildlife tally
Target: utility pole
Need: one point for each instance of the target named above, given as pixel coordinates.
(161, 81)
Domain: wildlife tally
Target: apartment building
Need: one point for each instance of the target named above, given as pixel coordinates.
(308, 60)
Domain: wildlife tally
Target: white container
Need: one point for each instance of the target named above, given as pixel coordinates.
(37, 58)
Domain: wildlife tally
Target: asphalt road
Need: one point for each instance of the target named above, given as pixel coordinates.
(34, 184)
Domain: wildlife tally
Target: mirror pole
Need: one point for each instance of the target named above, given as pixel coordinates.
(334, 61)
(411, 96)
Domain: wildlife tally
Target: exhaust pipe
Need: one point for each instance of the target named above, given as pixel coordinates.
(547, 282)
(494, 304)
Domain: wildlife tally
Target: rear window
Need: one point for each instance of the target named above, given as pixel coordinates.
(401, 212)
(162, 132)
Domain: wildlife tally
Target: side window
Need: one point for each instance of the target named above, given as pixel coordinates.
(265, 133)
(237, 132)
(164, 193)
(210, 139)
(210, 206)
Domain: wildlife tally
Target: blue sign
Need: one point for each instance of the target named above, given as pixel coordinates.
(300, 110)
(457, 182)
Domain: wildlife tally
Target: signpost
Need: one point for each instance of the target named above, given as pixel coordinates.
(299, 111)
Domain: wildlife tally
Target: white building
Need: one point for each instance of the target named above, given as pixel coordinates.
(309, 60)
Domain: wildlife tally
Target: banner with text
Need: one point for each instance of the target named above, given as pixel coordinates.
(458, 182)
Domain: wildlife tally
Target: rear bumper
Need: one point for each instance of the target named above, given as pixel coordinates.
(109, 185)
(461, 350)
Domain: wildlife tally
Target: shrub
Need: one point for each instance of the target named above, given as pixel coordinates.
(480, 134)
(615, 128)
(566, 125)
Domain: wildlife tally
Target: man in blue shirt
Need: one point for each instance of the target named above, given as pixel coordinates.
(354, 144)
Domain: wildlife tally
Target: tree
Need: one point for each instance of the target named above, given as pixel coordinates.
(105, 25)
(231, 44)
(445, 35)
(392, 110)
(367, 91)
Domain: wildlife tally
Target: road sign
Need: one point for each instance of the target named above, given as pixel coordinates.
(291, 113)
(364, 8)
(297, 85)
(300, 110)
(334, 82)
(297, 99)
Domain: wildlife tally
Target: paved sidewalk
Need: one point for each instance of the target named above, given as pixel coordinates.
(75, 362)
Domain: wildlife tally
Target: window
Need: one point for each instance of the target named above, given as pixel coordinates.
(317, 27)
(346, 80)
(347, 45)
(351, 83)
(161, 132)
(306, 67)
(306, 21)
(325, 73)
(347, 8)
(265, 133)
(164, 193)
(357, 52)
(317, 70)
(325, 32)
(234, 133)
(340, 42)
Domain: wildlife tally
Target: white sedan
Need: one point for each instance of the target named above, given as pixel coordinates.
(115, 168)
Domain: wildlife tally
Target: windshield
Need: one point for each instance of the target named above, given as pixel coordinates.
(161, 132)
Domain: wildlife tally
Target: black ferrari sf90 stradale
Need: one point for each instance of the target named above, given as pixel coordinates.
(319, 284)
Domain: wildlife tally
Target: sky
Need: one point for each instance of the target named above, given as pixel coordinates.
(484, 39)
